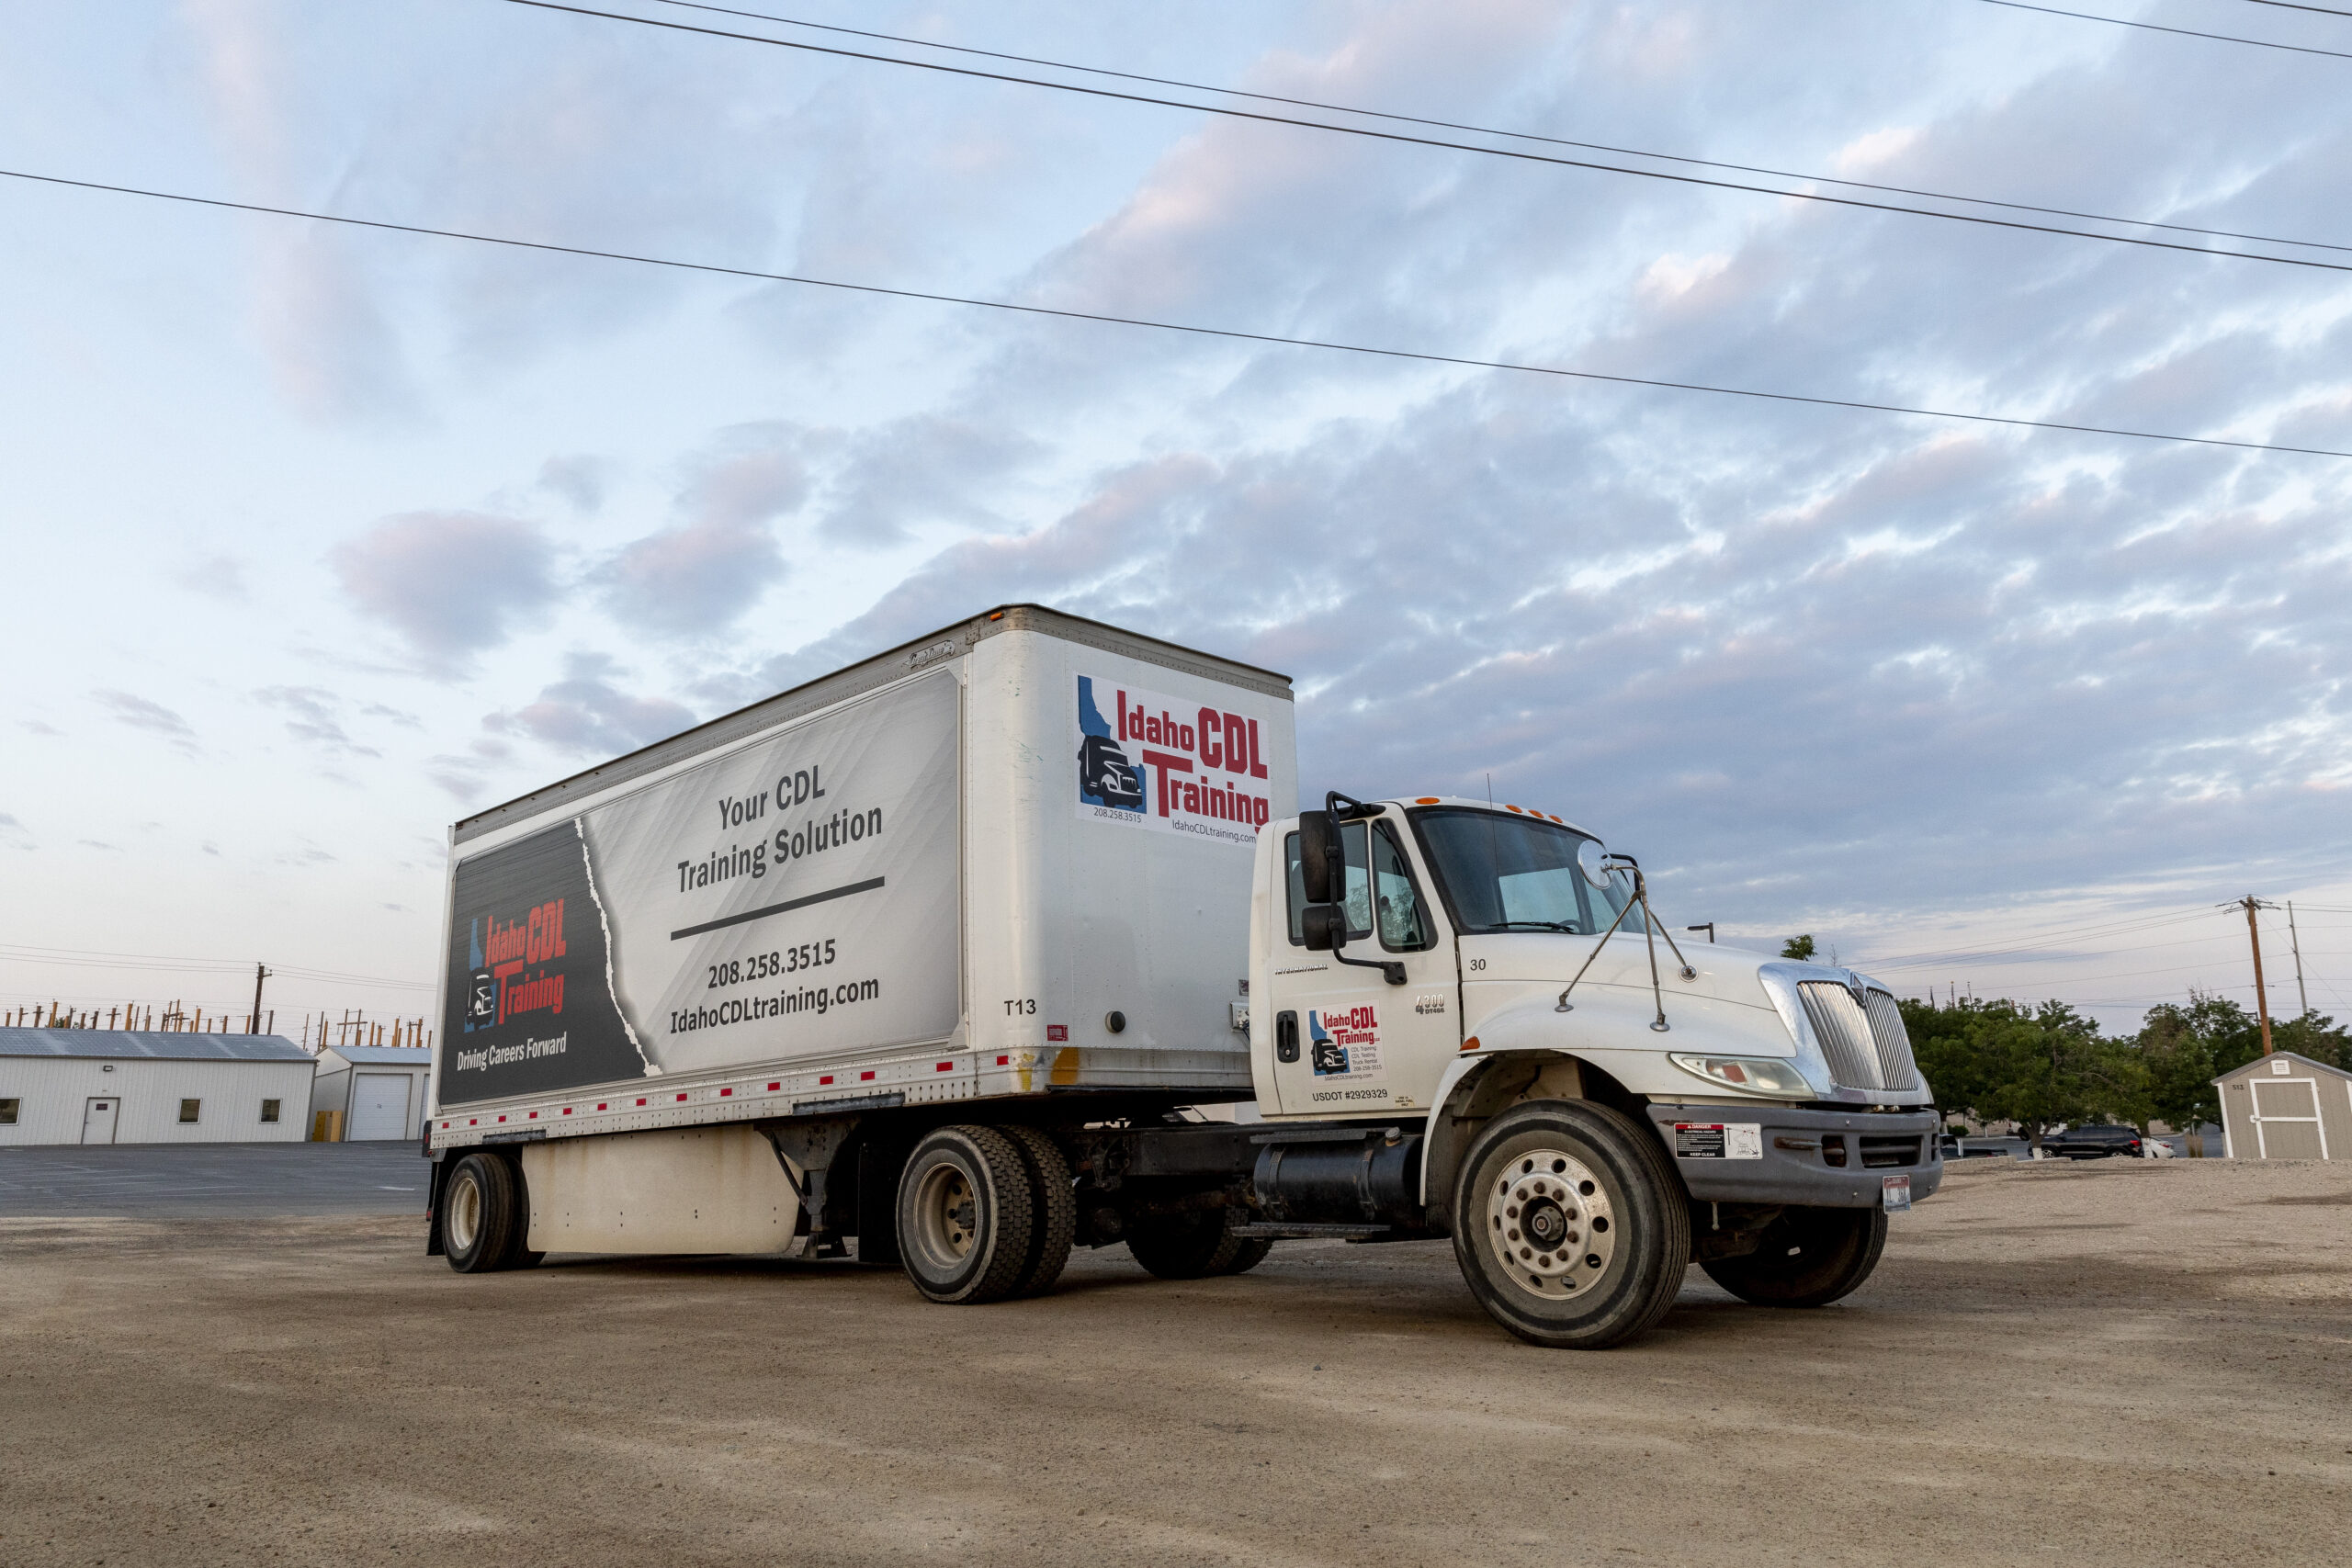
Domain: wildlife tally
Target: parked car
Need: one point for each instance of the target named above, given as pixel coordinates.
(2092, 1143)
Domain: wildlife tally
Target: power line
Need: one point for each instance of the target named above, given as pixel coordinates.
(2298, 6)
(1491, 130)
(2130, 925)
(1226, 334)
(2156, 28)
(90, 958)
(1403, 138)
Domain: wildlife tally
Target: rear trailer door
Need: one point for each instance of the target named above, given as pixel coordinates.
(792, 896)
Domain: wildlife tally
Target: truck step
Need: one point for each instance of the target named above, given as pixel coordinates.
(1277, 1231)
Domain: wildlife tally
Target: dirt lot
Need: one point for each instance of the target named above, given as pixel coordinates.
(2107, 1363)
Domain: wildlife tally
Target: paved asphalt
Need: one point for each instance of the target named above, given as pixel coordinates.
(180, 1181)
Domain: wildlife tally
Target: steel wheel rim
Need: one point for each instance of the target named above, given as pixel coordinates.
(465, 1212)
(946, 1215)
(1550, 1225)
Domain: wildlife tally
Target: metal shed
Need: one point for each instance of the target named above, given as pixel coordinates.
(375, 1092)
(2283, 1106)
(110, 1086)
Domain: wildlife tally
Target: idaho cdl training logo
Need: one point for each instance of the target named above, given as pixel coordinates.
(1344, 1045)
(498, 987)
(1176, 765)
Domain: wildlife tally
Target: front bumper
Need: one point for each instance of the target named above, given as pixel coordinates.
(1778, 1154)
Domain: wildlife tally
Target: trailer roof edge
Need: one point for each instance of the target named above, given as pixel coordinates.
(949, 641)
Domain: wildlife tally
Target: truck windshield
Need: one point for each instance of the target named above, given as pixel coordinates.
(1514, 873)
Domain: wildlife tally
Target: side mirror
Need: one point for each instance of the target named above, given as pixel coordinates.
(1592, 860)
(1321, 858)
(1322, 926)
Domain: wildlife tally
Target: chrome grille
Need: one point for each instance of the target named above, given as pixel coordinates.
(1896, 1068)
(1865, 1041)
(1844, 1030)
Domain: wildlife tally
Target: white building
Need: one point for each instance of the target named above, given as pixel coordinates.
(380, 1089)
(108, 1086)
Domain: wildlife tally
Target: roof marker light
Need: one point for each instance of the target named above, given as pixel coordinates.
(1426, 800)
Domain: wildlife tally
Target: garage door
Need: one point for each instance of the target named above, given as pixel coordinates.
(2286, 1118)
(378, 1106)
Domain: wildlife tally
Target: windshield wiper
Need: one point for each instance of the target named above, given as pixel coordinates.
(1535, 926)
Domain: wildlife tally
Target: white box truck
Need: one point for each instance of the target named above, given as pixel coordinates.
(951, 961)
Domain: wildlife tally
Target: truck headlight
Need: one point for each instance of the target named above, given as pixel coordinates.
(1748, 1075)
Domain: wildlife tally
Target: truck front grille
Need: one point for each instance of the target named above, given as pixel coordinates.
(1867, 1045)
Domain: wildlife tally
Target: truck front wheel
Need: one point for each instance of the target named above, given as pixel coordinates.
(1570, 1226)
(1808, 1258)
(966, 1214)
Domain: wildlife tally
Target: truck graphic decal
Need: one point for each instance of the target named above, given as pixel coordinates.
(1151, 760)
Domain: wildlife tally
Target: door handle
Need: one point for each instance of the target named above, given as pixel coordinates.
(1285, 1037)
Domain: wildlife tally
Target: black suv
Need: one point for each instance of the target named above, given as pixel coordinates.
(2093, 1142)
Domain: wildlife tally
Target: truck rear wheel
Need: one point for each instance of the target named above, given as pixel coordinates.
(1570, 1226)
(481, 1222)
(965, 1216)
(1808, 1258)
(1055, 1201)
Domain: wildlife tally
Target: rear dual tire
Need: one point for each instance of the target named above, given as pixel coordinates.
(985, 1213)
(486, 1216)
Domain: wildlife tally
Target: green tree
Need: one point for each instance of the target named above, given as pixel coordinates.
(1997, 1061)
(2315, 1036)
(1798, 947)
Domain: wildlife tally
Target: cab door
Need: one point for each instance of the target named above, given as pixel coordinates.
(1347, 1042)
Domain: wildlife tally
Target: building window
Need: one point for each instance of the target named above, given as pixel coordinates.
(188, 1108)
(269, 1110)
(7, 1113)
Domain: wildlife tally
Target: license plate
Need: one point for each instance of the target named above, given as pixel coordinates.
(1895, 1193)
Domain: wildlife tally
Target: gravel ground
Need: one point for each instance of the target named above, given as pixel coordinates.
(2111, 1362)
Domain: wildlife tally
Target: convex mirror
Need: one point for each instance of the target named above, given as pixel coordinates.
(1320, 857)
(1593, 861)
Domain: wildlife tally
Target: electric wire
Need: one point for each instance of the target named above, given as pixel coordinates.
(1224, 334)
(2298, 6)
(1403, 138)
(2159, 28)
(1491, 130)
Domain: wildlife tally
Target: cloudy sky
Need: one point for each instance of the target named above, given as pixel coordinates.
(317, 538)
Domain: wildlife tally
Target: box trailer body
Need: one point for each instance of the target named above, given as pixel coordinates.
(1003, 862)
(952, 958)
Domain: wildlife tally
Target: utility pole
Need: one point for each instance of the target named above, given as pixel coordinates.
(2297, 943)
(260, 975)
(2261, 993)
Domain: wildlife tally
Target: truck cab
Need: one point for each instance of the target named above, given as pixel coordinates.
(1479, 981)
